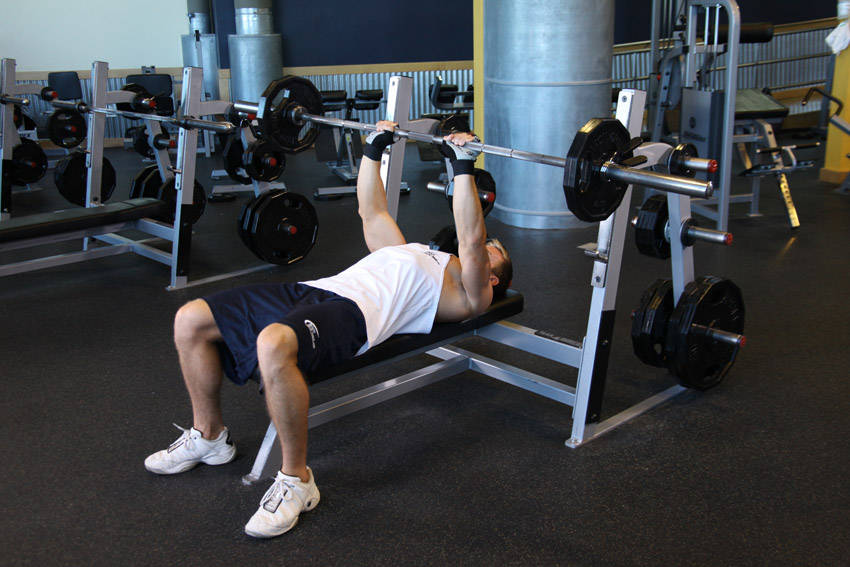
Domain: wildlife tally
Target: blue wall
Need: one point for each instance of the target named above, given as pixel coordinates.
(340, 32)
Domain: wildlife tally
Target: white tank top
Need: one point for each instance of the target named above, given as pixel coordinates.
(397, 287)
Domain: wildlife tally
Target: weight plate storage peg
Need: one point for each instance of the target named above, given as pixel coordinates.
(168, 193)
(649, 323)
(29, 162)
(591, 195)
(71, 177)
(66, 128)
(263, 161)
(277, 101)
(700, 345)
(283, 227)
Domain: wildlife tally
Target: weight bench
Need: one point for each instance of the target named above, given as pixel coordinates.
(756, 114)
(69, 224)
(397, 347)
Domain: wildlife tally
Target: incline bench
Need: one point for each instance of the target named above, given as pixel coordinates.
(395, 348)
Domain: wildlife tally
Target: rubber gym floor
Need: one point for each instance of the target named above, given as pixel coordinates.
(468, 471)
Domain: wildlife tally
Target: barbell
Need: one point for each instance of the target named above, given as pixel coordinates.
(598, 168)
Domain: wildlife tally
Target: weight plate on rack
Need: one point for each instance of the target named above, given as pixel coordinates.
(71, 177)
(138, 182)
(29, 162)
(168, 193)
(66, 128)
(246, 218)
(275, 106)
(233, 160)
(284, 227)
(696, 358)
(486, 186)
(140, 142)
(263, 161)
(678, 155)
(650, 227)
(649, 323)
(592, 196)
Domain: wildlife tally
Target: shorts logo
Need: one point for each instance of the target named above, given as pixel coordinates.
(314, 331)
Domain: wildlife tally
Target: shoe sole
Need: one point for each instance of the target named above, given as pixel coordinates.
(189, 465)
(311, 505)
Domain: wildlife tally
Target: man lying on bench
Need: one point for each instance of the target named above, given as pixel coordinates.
(289, 332)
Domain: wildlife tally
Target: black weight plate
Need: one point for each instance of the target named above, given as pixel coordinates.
(71, 177)
(137, 90)
(649, 229)
(675, 163)
(695, 358)
(29, 162)
(649, 323)
(485, 183)
(192, 213)
(246, 218)
(263, 161)
(140, 142)
(277, 100)
(66, 128)
(280, 209)
(233, 160)
(591, 196)
(137, 183)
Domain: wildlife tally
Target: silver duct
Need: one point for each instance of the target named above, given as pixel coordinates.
(202, 52)
(547, 71)
(256, 54)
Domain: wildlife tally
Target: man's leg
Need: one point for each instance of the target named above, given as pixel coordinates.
(195, 334)
(287, 396)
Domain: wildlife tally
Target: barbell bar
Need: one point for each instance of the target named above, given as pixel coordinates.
(213, 126)
(16, 100)
(673, 184)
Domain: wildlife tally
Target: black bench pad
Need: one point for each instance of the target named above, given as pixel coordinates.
(68, 220)
(752, 104)
(403, 343)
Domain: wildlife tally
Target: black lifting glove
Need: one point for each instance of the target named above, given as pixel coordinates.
(462, 157)
(376, 143)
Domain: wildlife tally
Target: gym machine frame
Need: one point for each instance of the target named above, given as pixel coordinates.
(178, 233)
(590, 356)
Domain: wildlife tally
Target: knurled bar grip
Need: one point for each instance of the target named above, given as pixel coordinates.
(670, 183)
(213, 126)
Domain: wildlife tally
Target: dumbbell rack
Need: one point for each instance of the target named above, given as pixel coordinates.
(9, 137)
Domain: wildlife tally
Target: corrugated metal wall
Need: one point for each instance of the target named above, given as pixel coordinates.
(788, 61)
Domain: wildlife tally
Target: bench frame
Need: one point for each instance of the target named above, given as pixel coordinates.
(590, 356)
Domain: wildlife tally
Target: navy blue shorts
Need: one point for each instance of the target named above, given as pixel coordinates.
(329, 327)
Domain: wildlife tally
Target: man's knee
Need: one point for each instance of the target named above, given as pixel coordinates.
(195, 321)
(277, 345)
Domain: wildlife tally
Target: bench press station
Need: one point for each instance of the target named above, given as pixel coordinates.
(589, 356)
(102, 222)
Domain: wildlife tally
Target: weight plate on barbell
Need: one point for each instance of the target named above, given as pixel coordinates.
(592, 196)
(263, 161)
(66, 128)
(693, 356)
(29, 162)
(284, 227)
(190, 214)
(650, 228)
(71, 177)
(649, 323)
(274, 112)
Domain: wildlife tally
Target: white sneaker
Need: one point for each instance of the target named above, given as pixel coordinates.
(190, 449)
(281, 505)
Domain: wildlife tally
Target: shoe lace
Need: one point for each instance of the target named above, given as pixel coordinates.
(280, 490)
(185, 438)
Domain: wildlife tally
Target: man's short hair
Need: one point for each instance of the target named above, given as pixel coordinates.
(504, 270)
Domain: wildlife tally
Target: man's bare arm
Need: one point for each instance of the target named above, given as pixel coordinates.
(379, 227)
(471, 232)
